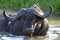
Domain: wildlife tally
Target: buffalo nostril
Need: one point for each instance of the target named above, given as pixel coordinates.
(9, 22)
(29, 30)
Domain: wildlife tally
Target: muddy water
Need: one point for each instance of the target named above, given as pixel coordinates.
(53, 34)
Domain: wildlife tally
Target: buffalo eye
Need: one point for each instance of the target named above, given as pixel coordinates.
(22, 19)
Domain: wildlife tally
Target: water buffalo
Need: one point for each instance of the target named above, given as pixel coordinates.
(3, 23)
(29, 21)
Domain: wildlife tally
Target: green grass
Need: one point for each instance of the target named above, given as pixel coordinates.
(17, 4)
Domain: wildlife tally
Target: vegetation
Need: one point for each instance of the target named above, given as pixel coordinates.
(54, 22)
(17, 4)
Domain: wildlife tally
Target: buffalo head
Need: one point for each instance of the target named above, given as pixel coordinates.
(29, 18)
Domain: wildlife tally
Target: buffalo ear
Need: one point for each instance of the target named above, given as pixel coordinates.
(36, 6)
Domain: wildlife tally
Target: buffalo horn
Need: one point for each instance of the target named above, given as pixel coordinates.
(7, 16)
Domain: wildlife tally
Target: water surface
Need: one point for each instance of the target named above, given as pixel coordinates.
(53, 34)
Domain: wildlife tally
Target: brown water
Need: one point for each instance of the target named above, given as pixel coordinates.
(53, 34)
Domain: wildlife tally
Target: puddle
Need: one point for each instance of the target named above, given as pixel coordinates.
(53, 33)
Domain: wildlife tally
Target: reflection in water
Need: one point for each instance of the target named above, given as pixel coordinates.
(13, 38)
(52, 34)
